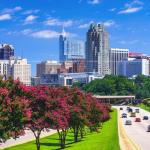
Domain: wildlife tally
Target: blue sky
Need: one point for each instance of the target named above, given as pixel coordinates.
(33, 26)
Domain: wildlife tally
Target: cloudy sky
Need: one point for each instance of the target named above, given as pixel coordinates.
(33, 26)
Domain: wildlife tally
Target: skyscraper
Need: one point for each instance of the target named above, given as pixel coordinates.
(6, 51)
(117, 55)
(70, 49)
(97, 50)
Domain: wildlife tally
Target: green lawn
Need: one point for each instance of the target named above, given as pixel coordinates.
(107, 139)
(144, 107)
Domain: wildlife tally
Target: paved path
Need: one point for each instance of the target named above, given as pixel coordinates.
(23, 139)
(137, 132)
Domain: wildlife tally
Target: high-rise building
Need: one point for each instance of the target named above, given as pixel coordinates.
(97, 50)
(6, 51)
(70, 49)
(47, 67)
(20, 69)
(117, 55)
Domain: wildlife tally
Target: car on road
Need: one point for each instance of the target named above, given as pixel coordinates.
(130, 110)
(145, 118)
(124, 115)
(137, 119)
(128, 122)
(137, 110)
(133, 114)
(121, 108)
(148, 128)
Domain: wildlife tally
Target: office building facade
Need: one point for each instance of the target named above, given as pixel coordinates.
(70, 49)
(133, 67)
(97, 50)
(47, 67)
(117, 55)
(6, 51)
(20, 69)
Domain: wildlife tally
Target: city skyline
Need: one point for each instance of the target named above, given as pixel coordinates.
(34, 29)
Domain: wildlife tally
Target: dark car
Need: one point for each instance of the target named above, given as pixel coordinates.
(148, 128)
(121, 108)
(137, 119)
(124, 115)
(130, 110)
(137, 110)
(128, 122)
(145, 118)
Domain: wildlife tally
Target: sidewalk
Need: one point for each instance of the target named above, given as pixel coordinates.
(24, 139)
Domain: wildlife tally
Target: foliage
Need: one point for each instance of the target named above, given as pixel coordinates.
(41, 108)
(119, 85)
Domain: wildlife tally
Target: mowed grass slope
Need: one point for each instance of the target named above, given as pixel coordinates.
(107, 139)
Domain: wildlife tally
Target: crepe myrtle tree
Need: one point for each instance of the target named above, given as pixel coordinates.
(60, 118)
(13, 112)
(37, 118)
(78, 112)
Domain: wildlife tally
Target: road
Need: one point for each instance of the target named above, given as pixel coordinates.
(137, 132)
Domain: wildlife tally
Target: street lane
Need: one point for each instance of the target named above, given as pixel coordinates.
(137, 132)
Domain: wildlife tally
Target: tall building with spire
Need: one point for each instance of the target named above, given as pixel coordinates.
(70, 49)
(97, 50)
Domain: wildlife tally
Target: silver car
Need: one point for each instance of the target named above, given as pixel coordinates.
(128, 122)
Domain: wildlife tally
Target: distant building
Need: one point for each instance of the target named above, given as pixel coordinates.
(4, 66)
(69, 78)
(133, 67)
(47, 67)
(20, 69)
(79, 66)
(97, 50)
(70, 49)
(6, 51)
(116, 56)
(49, 79)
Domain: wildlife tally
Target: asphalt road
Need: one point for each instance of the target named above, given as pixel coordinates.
(137, 132)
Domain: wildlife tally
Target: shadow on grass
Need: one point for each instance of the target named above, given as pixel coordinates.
(69, 144)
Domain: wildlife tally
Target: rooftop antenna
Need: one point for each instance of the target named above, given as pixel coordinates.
(64, 34)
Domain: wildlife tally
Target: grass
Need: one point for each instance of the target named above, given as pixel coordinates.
(107, 139)
(144, 107)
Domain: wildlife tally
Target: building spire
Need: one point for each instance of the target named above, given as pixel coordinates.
(64, 34)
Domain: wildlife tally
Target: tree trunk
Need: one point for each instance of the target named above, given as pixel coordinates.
(62, 137)
(37, 137)
(76, 131)
(37, 143)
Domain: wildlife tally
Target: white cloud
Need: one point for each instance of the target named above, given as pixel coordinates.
(130, 10)
(86, 25)
(112, 9)
(109, 23)
(57, 22)
(45, 34)
(94, 2)
(28, 12)
(30, 19)
(133, 7)
(12, 10)
(5, 17)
